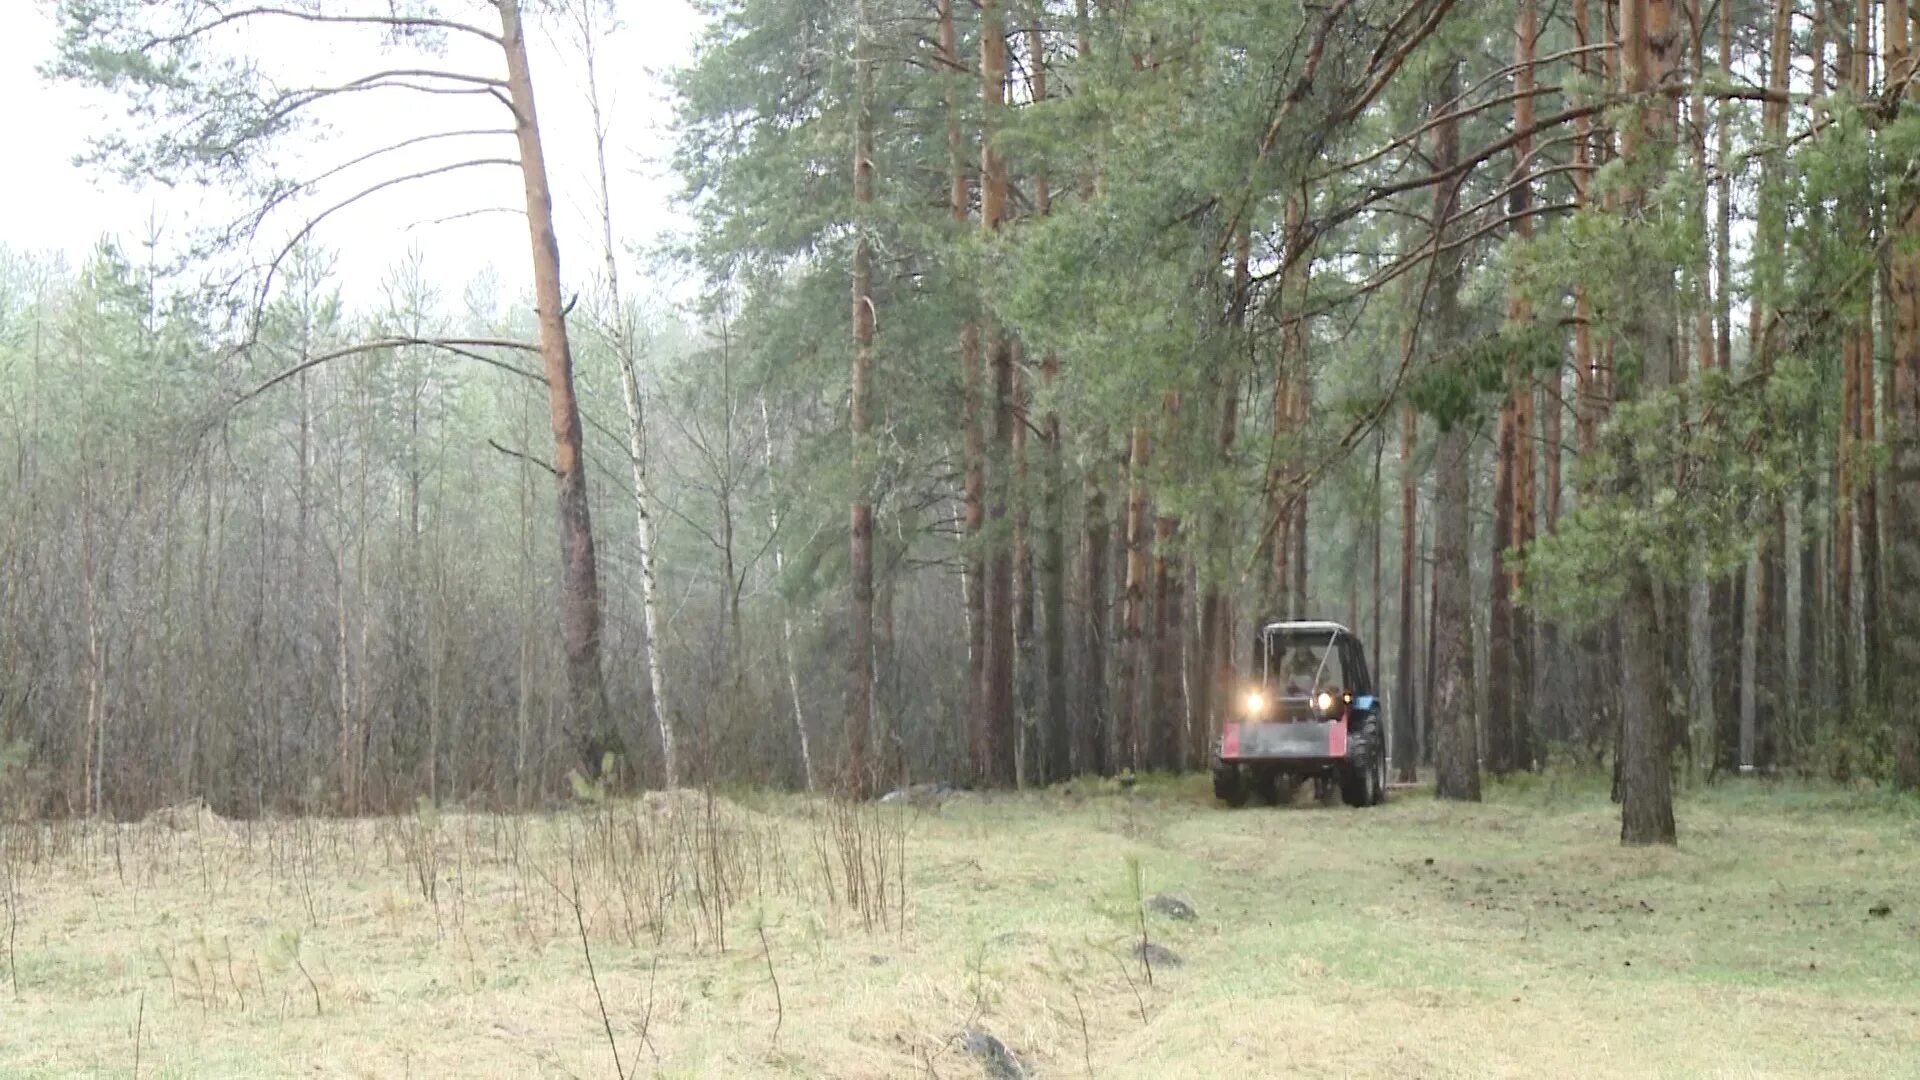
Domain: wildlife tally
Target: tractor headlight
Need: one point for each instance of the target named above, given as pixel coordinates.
(1256, 703)
(1323, 702)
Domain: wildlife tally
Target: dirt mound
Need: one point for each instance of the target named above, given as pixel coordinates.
(194, 815)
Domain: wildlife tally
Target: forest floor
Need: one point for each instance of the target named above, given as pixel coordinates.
(1514, 938)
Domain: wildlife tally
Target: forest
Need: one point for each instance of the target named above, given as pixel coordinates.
(1567, 352)
(784, 624)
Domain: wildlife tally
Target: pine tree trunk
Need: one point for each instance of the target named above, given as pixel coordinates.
(1216, 622)
(973, 445)
(1725, 603)
(580, 584)
(1000, 765)
(1903, 439)
(1286, 503)
(1582, 176)
(1134, 603)
(1163, 723)
(1499, 733)
(1056, 734)
(1525, 428)
(1405, 710)
(1758, 718)
(1864, 425)
(1452, 719)
(1096, 732)
(1646, 799)
(860, 640)
(1025, 682)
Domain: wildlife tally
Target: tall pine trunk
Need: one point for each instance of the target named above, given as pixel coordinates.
(1164, 726)
(1452, 716)
(1134, 601)
(1647, 35)
(860, 555)
(1216, 618)
(580, 580)
(1096, 728)
(1406, 711)
(999, 765)
(1867, 495)
(1903, 438)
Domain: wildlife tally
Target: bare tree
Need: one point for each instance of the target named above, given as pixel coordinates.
(617, 322)
(222, 118)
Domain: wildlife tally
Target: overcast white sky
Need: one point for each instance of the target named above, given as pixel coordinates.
(47, 203)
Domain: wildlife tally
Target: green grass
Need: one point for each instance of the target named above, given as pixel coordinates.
(1514, 938)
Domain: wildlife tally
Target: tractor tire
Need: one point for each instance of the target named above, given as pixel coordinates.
(1362, 779)
(1354, 788)
(1229, 785)
(1269, 785)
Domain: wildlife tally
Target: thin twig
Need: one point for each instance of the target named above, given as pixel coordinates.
(780, 1014)
(572, 897)
(1086, 1043)
(314, 986)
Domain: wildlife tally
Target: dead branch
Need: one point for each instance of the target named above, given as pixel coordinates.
(461, 347)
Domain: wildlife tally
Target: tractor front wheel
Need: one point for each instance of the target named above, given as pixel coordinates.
(1229, 784)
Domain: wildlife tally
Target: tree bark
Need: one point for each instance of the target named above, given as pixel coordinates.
(1903, 438)
(1646, 799)
(580, 583)
(1134, 603)
(1864, 424)
(1096, 733)
(1055, 729)
(1025, 684)
(1000, 765)
(1525, 434)
(1452, 718)
(1216, 620)
(1163, 723)
(860, 556)
(1405, 710)
(1286, 503)
(973, 444)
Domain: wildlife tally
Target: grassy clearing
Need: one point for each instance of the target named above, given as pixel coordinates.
(1420, 939)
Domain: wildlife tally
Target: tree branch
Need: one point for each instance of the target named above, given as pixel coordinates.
(314, 222)
(462, 347)
(390, 22)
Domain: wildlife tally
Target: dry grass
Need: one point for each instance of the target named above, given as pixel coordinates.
(1513, 938)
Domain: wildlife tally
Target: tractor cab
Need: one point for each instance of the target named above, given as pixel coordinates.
(1308, 710)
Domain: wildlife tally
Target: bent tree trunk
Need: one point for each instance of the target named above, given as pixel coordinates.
(580, 583)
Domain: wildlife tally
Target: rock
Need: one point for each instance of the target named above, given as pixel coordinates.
(1156, 955)
(995, 1059)
(929, 796)
(1173, 907)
